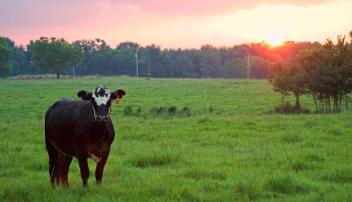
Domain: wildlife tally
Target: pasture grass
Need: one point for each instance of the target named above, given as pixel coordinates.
(226, 147)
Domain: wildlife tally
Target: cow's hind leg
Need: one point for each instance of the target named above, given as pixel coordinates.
(65, 162)
(53, 161)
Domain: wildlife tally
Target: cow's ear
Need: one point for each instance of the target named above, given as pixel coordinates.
(118, 94)
(84, 95)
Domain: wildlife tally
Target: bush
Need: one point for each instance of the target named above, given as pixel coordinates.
(132, 110)
(158, 110)
(172, 111)
(185, 111)
(127, 111)
(210, 109)
(136, 110)
(287, 108)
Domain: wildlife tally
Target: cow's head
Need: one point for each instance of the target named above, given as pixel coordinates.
(101, 98)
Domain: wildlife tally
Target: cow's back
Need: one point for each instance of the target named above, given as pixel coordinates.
(63, 121)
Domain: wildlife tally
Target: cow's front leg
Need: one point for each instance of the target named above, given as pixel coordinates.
(100, 166)
(83, 165)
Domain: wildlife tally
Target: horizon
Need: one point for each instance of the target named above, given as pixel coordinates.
(184, 24)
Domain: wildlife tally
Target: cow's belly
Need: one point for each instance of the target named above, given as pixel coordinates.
(63, 139)
(96, 151)
(64, 149)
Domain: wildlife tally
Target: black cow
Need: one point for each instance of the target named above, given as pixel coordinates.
(81, 129)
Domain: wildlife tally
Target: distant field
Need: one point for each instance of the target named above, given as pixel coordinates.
(229, 148)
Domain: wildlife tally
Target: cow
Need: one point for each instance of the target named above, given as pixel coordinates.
(81, 129)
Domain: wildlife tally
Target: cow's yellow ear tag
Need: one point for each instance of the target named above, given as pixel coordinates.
(117, 101)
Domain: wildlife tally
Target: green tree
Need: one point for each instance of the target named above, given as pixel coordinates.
(56, 54)
(278, 78)
(5, 67)
(324, 71)
(289, 78)
(150, 59)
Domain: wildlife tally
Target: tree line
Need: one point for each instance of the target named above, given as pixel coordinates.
(323, 71)
(96, 57)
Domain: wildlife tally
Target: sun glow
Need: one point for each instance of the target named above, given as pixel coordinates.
(275, 40)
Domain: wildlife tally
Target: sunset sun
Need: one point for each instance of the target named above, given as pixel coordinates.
(275, 40)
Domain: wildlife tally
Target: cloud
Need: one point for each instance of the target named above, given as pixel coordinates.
(182, 23)
(205, 7)
(22, 12)
(127, 8)
(40, 14)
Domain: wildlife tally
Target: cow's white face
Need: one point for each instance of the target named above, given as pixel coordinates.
(101, 103)
(101, 95)
(100, 99)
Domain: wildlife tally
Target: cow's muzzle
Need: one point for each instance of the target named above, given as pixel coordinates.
(102, 119)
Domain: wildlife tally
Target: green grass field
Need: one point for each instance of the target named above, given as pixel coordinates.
(230, 148)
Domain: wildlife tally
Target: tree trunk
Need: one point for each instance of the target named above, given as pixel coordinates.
(336, 103)
(282, 99)
(298, 103)
(57, 74)
(316, 104)
(340, 103)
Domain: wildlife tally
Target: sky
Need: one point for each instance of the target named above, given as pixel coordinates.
(176, 24)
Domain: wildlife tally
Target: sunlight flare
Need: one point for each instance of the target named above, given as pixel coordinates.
(275, 40)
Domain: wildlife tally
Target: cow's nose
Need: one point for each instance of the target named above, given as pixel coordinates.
(102, 118)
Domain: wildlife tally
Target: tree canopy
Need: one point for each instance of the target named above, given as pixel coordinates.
(5, 68)
(55, 54)
(323, 71)
(46, 55)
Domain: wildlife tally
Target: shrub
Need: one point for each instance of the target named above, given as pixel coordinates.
(287, 108)
(172, 110)
(210, 109)
(185, 111)
(158, 110)
(132, 110)
(127, 111)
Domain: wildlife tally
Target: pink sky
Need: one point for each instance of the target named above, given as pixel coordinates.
(170, 23)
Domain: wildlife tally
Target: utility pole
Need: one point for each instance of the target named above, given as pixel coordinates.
(149, 74)
(73, 71)
(248, 66)
(136, 56)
